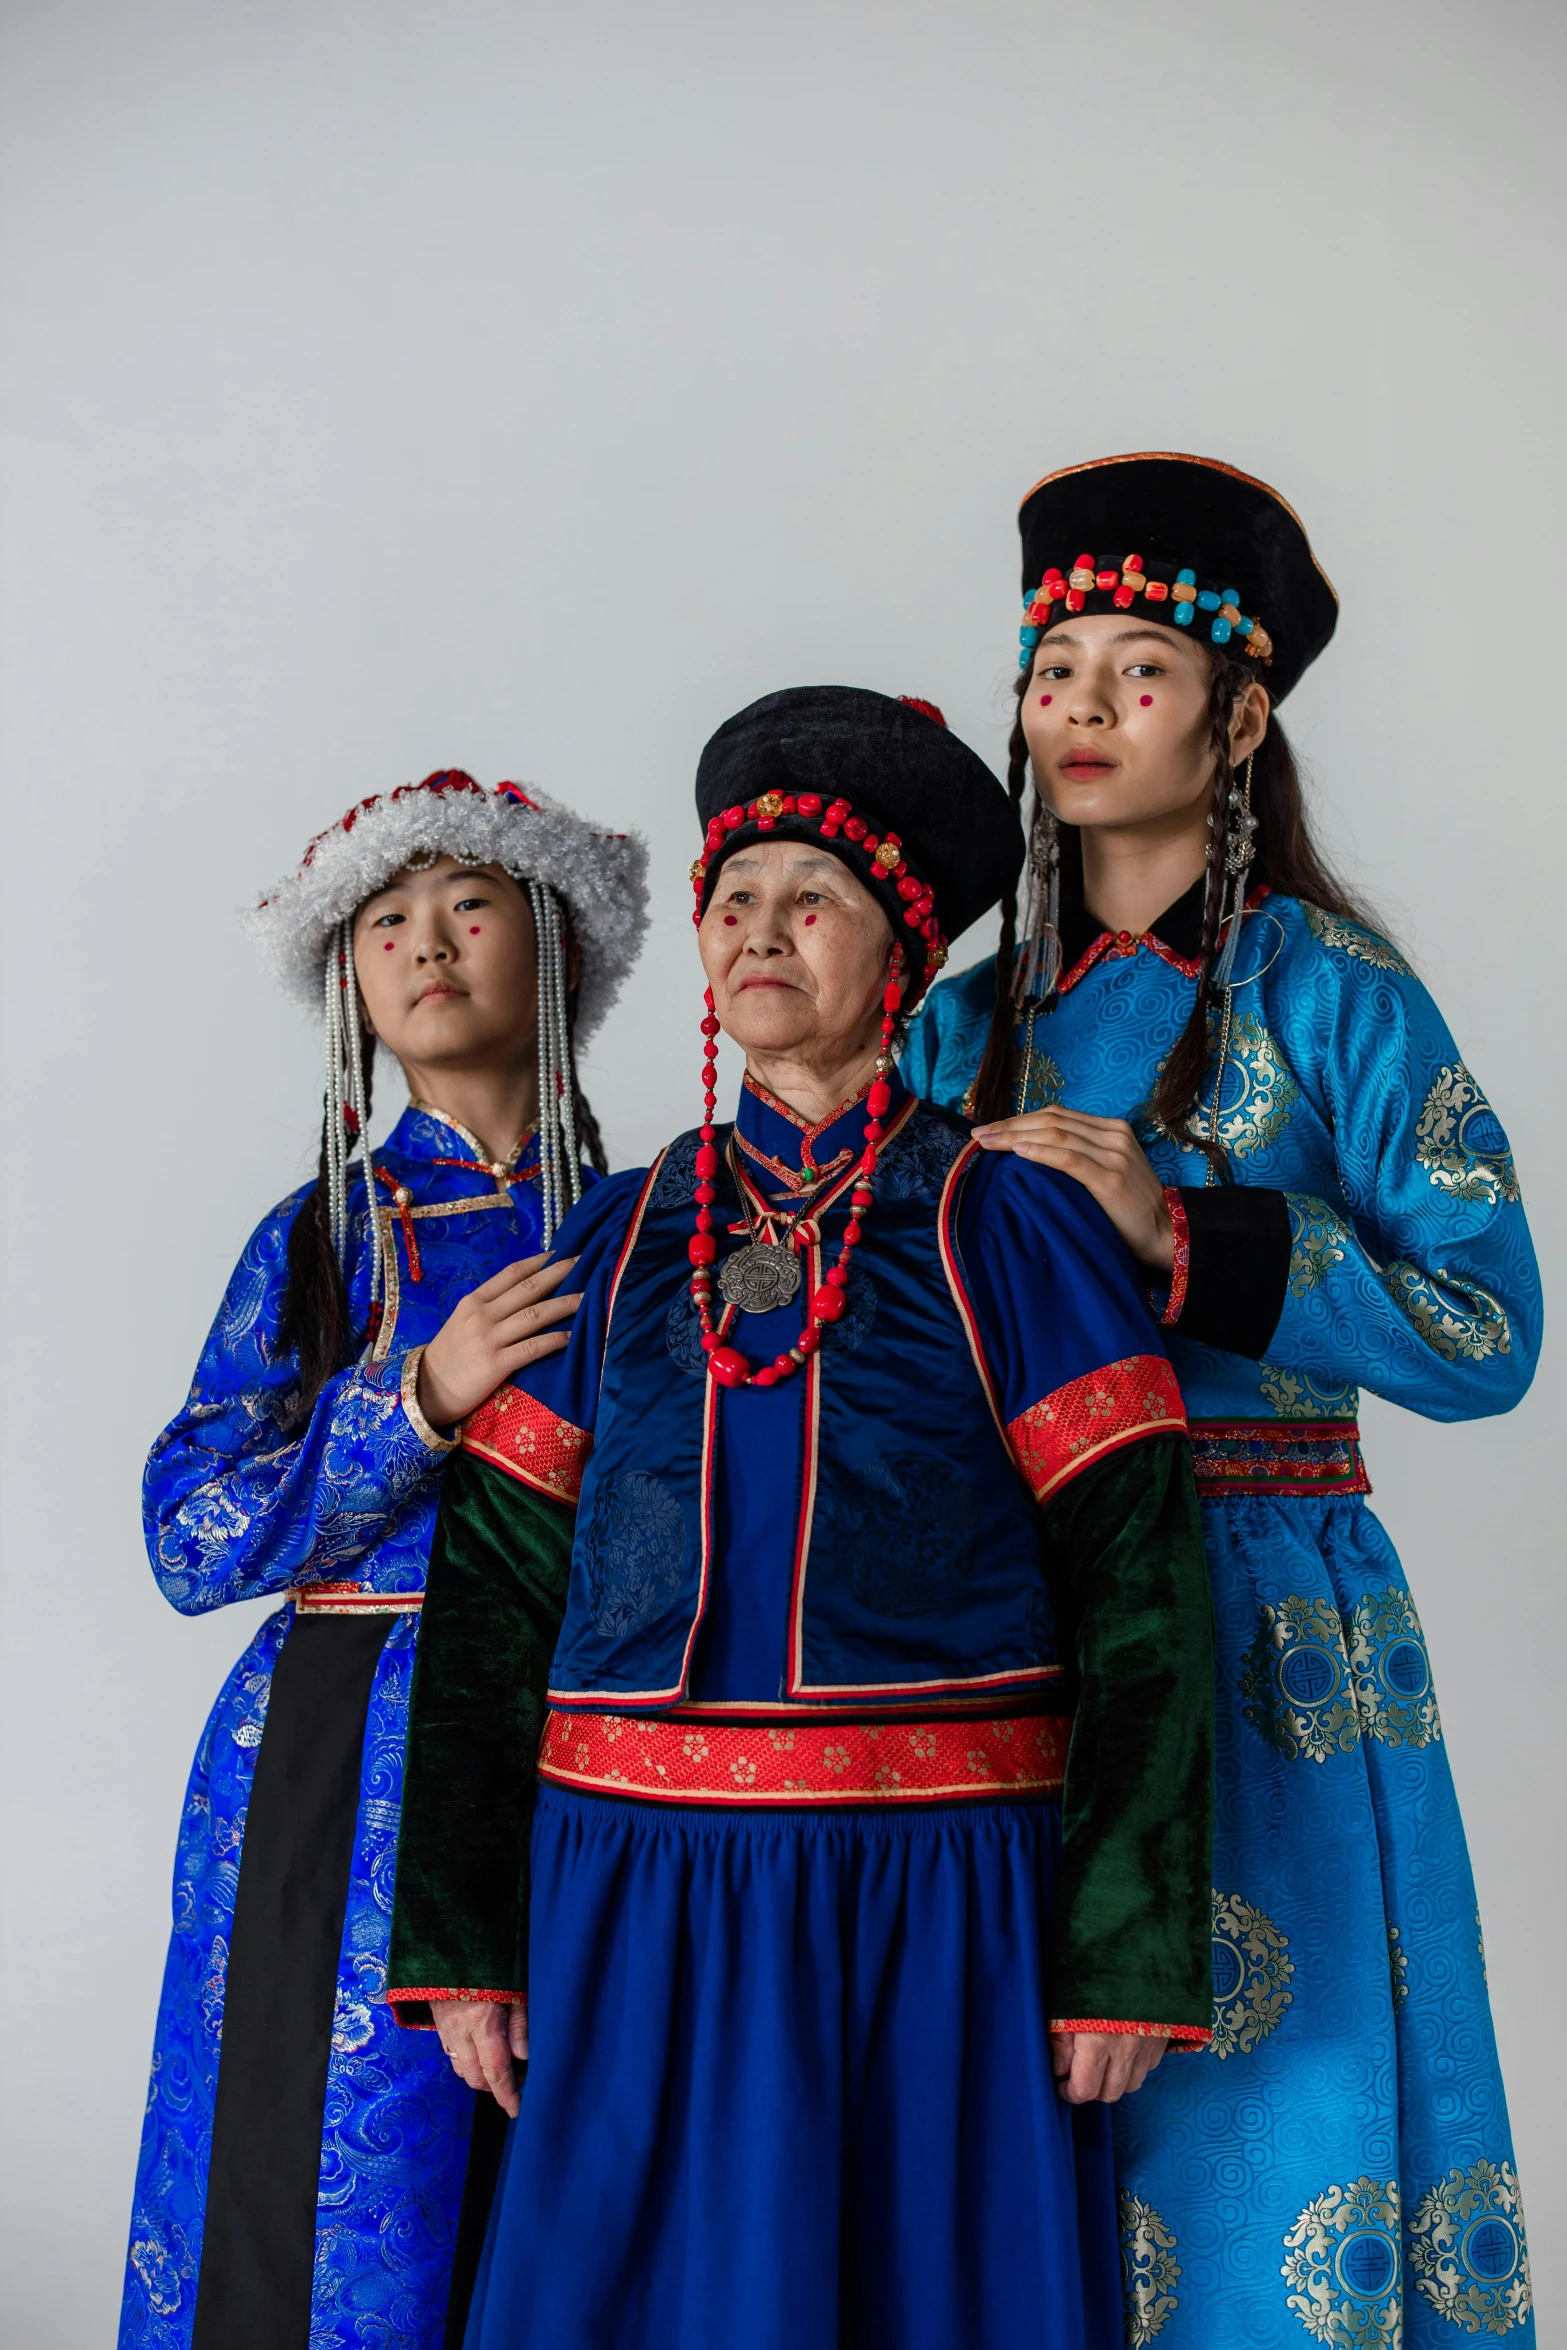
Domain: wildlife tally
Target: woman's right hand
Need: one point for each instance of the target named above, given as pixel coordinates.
(482, 2036)
(509, 1321)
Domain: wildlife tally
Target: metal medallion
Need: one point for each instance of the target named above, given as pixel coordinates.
(758, 1278)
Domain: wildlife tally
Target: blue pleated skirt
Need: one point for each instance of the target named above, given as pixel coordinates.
(790, 2089)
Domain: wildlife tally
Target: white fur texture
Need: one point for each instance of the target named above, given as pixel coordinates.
(601, 878)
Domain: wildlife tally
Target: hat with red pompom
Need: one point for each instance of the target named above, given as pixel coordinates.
(886, 786)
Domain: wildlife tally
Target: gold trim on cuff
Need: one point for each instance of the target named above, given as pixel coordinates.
(410, 1398)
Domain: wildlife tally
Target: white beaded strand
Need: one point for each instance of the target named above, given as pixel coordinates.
(359, 1103)
(332, 1113)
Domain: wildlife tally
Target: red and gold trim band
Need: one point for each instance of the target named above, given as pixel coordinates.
(515, 1432)
(1180, 1272)
(1088, 1417)
(1185, 2035)
(809, 1762)
(353, 1599)
(1274, 1456)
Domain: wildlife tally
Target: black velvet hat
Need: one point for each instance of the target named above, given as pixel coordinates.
(1184, 541)
(885, 785)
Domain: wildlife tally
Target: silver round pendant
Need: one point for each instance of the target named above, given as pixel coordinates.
(758, 1279)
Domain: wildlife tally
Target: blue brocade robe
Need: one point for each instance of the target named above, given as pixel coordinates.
(237, 1506)
(1340, 2159)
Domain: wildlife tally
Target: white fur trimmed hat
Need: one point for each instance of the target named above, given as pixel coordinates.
(599, 877)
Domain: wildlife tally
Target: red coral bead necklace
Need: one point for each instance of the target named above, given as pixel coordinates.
(726, 1363)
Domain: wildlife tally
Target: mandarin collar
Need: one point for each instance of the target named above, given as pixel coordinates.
(775, 1141)
(1179, 928)
(427, 1133)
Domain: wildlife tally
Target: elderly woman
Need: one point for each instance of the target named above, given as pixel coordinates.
(810, 1750)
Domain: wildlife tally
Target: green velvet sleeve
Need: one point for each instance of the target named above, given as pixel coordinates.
(493, 1605)
(1131, 1937)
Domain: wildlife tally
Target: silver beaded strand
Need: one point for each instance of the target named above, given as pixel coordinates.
(560, 1174)
(358, 1102)
(332, 1115)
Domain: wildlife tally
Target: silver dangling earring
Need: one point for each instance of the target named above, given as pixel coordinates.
(1240, 847)
(1037, 965)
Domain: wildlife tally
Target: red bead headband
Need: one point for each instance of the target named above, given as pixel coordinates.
(1183, 595)
(833, 818)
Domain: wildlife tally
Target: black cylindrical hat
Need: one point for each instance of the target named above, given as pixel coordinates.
(885, 785)
(1185, 541)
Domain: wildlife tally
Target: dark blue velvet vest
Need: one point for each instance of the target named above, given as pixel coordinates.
(917, 1571)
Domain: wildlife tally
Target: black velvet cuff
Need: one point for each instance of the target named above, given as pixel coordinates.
(1237, 1271)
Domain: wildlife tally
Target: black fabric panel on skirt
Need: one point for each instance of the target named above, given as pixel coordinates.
(486, 2150)
(259, 2243)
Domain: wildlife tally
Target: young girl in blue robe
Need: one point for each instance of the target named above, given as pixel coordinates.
(809, 1757)
(302, 2164)
(1293, 1144)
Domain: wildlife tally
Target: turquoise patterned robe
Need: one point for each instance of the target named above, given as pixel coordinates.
(1338, 2167)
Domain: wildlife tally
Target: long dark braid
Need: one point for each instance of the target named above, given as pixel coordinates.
(1178, 1084)
(1288, 857)
(993, 1093)
(315, 1323)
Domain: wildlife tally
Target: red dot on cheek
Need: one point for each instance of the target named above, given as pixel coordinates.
(1045, 701)
(473, 930)
(730, 920)
(388, 947)
(809, 919)
(1145, 699)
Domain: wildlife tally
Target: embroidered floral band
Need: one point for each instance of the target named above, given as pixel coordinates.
(882, 857)
(1124, 584)
(515, 1432)
(1088, 1417)
(353, 1599)
(815, 1762)
(1267, 1456)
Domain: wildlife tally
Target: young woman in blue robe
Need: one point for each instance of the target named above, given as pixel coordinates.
(303, 2164)
(1293, 1146)
(809, 1762)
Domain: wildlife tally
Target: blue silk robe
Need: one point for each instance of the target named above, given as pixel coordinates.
(238, 1506)
(1340, 2158)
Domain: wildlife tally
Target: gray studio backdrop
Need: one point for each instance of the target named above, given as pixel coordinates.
(526, 387)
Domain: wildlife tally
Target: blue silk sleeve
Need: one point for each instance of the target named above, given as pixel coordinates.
(946, 1039)
(1419, 1281)
(236, 1502)
(561, 1392)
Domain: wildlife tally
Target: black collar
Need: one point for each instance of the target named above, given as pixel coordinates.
(1179, 927)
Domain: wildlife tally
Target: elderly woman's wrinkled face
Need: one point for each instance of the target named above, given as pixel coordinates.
(796, 952)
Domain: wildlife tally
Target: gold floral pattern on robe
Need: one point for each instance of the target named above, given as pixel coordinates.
(1459, 1140)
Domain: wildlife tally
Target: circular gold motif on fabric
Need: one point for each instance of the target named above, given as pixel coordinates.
(1251, 1976)
(1150, 2271)
(1296, 1690)
(1467, 2251)
(1343, 2267)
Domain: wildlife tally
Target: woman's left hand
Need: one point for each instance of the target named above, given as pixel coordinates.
(1106, 1158)
(1103, 2065)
